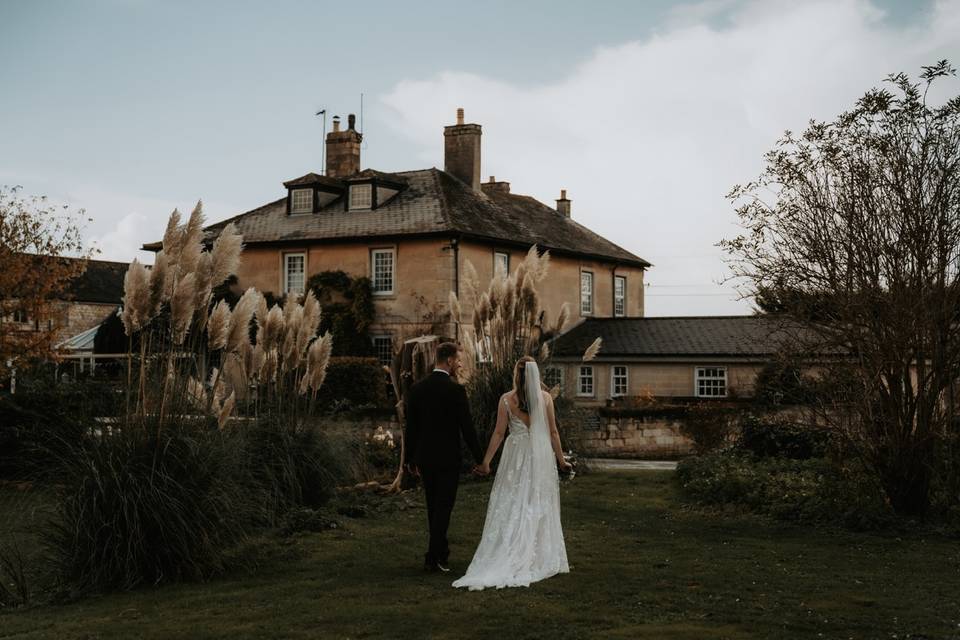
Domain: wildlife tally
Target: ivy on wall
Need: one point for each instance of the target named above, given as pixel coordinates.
(348, 311)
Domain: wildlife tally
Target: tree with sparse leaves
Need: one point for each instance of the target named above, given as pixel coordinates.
(36, 237)
(853, 230)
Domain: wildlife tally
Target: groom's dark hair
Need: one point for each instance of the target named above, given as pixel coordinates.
(447, 350)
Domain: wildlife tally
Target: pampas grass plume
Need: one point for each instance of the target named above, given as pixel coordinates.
(240, 319)
(219, 325)
(225, 257)
(181, 307)
(192, 241)
(592, 350)
(173, 236)
(136, 298)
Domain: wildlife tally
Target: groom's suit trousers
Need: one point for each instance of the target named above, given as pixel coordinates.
(440, 488)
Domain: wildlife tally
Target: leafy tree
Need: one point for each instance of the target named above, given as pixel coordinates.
(853, 230)
(36, 237)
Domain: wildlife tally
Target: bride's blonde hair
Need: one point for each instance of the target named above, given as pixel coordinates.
(520, 383)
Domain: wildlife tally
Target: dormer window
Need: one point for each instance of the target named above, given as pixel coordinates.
(361, 196)
(301, 201)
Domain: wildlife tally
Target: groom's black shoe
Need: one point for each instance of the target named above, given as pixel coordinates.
(435, 567)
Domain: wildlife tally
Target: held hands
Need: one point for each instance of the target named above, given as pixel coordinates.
(481, 469)
(565, 466)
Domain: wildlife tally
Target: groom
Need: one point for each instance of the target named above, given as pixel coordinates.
(437, 413)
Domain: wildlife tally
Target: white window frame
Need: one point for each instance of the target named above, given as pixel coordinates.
(613, 380)
(301, 206)
(286, 272)
(497, 259)
(393, 270)
(586, 296)
(376, 347)
(581, 378)
(560, 378)
(484, 350)
(710, 374)
(619, 299)
(361, 203)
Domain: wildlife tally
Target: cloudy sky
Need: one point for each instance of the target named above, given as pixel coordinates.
(646, 112)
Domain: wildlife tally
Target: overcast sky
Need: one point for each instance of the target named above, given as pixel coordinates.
(646, 112)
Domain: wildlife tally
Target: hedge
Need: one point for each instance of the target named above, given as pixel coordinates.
(353, 382)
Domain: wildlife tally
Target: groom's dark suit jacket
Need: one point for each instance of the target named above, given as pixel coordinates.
(437, 414)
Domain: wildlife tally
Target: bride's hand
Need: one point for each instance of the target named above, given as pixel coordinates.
(564, 465)
(483, 469)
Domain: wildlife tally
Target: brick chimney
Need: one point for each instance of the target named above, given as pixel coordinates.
(343, 149)
(461, 151)
(563, 204)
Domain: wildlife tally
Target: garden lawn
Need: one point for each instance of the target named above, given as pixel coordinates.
(644, 565)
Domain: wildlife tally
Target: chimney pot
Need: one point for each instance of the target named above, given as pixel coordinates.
(351, 122)
(492, 179)
(460, 115)
(336, 123)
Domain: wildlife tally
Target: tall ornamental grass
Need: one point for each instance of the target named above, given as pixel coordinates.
(212, 438)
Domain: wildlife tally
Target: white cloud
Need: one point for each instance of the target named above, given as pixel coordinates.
(649, 136)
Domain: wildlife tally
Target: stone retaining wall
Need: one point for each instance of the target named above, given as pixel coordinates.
(634, 437)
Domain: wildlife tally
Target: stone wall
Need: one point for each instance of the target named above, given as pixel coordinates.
(634, 437)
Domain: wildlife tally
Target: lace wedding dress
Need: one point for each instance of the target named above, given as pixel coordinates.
(522, 540)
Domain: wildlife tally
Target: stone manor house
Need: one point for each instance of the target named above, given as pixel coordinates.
(412, 232)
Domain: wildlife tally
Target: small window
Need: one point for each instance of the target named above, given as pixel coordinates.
(361, 196)
(20, 316)
(501, 264)
(294, 272)
(618, 381)
(301, 201)
(382, 269)
(619, 295)
(711, 382)
(585, 382)
(383, 349)
(586, 292)
(553, 377)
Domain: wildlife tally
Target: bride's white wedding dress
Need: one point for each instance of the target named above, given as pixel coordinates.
(522, 540)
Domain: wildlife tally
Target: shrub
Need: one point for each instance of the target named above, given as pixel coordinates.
(809, 491)
(780, 439)
(708, 424)
(141, 509)
(291, 465)
(42, 415)
(353, 382)
(782, 382)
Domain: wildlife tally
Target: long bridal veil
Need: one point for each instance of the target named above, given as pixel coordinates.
(522, 539)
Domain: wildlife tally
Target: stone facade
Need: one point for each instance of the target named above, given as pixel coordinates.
(426, 271)
(657, 378)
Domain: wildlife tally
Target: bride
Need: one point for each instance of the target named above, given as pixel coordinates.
(522, 540)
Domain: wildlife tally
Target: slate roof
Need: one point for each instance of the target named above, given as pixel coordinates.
(102, 281)
(698, 336)
(432, 203)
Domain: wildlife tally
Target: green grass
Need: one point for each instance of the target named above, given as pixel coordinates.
(644, 565)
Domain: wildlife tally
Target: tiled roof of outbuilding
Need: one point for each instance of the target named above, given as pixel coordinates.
(432, 203)
(101, 282)
(733, 336)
